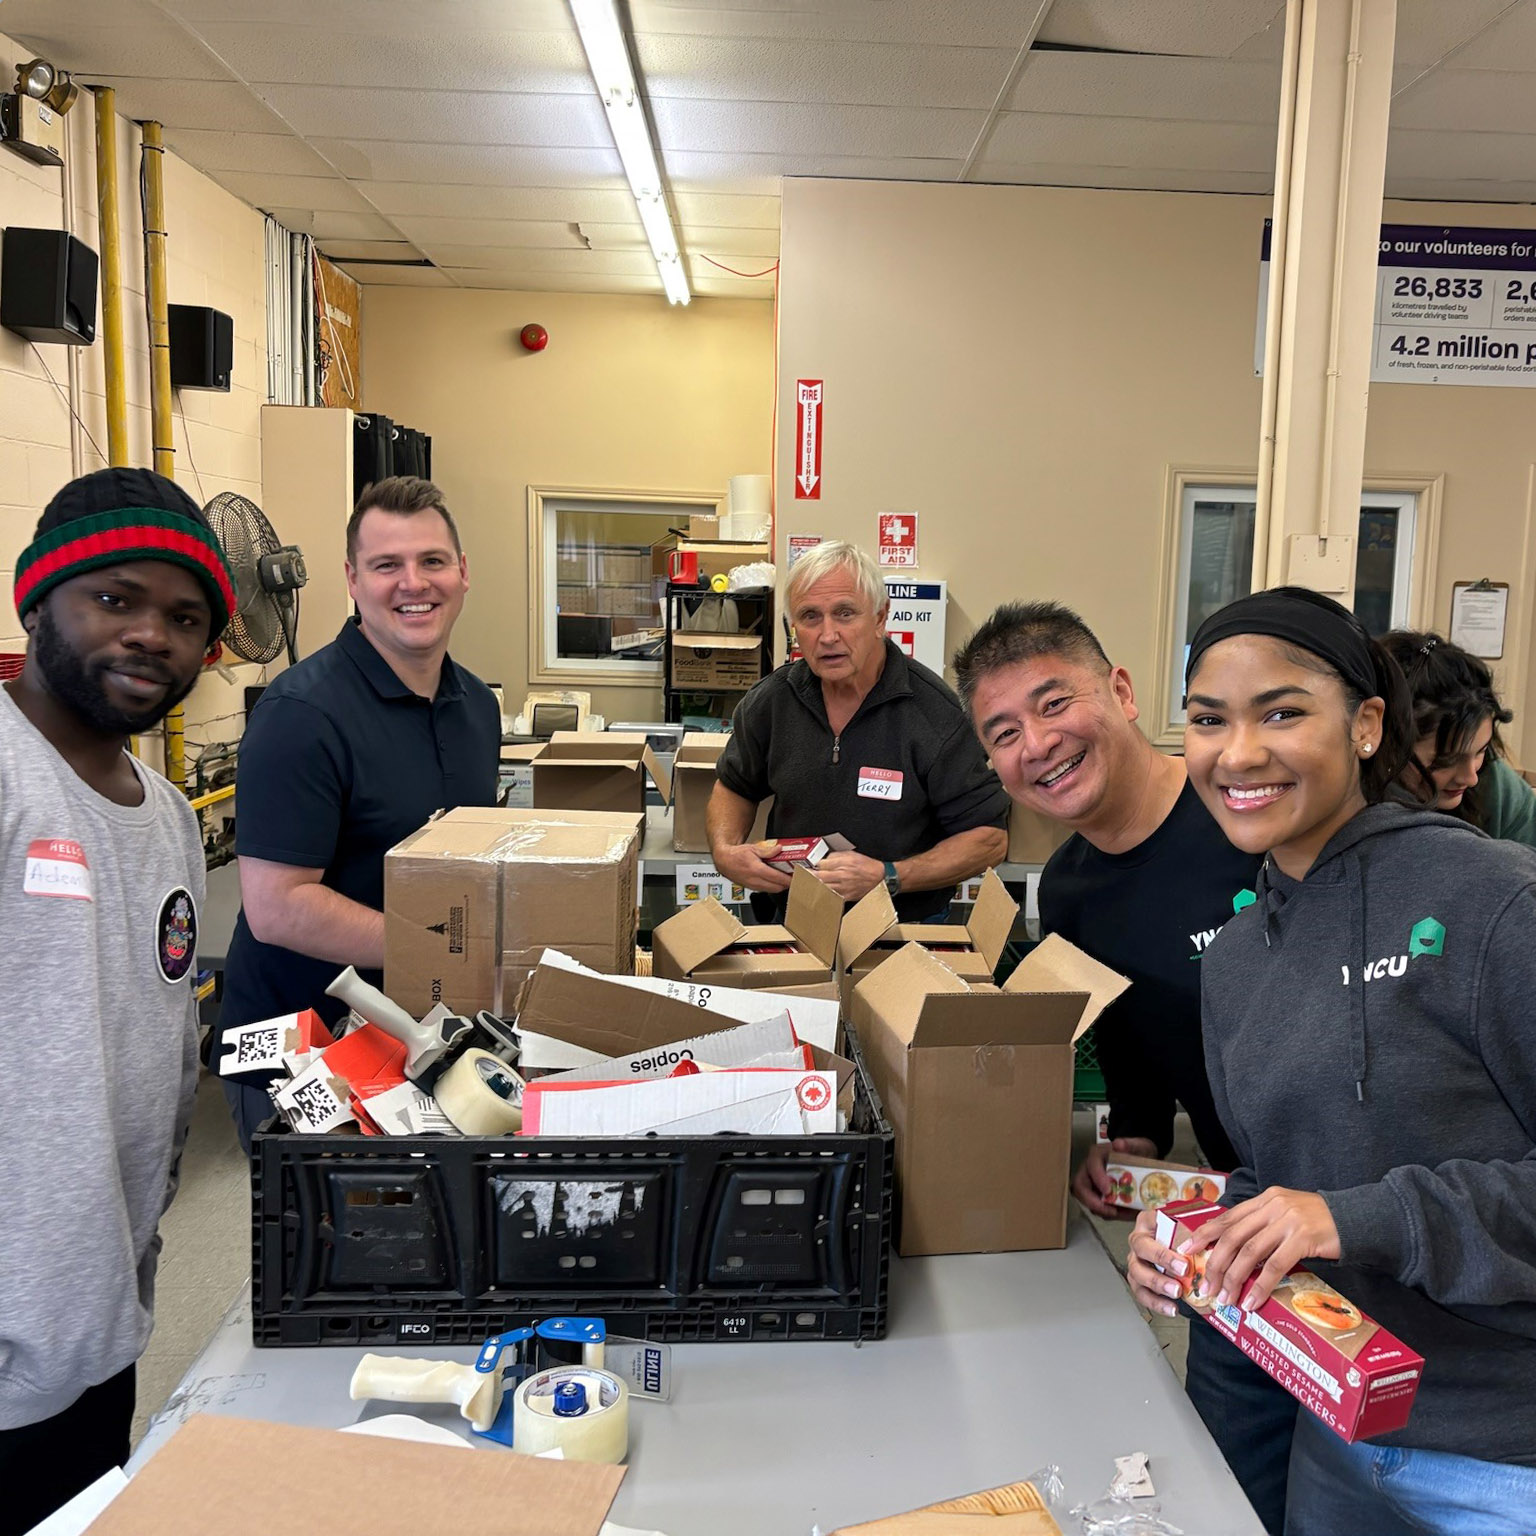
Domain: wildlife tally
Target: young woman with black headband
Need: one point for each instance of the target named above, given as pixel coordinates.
(1458, 759)
(1385, 1127)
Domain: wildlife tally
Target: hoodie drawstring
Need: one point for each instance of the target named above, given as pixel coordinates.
(1353, 880)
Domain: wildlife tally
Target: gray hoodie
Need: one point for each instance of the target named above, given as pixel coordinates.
(1370, 1034)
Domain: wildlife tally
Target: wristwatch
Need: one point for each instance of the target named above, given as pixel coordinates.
(892, 879)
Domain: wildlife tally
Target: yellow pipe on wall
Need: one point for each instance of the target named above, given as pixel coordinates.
(111, 275)
(162, 426)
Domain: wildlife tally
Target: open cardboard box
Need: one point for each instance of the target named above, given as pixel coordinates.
(473, 898)
(705, 943)
(693, 781)
(596, 771)
(870, 935)
(977, 1084)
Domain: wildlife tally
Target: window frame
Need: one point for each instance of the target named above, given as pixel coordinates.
(545, 503)
(1421, 494)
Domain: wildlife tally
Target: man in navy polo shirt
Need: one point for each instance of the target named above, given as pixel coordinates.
(346, 754)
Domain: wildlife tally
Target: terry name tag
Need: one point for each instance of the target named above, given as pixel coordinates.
(57, 867)
(880, 784)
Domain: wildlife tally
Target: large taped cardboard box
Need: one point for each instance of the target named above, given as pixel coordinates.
(870, 935)
(241, 1477)
(475, 897)
(597, 771)
(708, 661)
(1033, 838)
(705, 943)
(977, 1084)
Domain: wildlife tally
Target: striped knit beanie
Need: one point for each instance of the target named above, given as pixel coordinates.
(117, 515)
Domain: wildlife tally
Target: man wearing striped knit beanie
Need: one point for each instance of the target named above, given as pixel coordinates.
(122, 591)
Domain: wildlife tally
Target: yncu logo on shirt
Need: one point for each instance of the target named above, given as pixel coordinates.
(1202, 940)
(1426, 937)
(176, 935)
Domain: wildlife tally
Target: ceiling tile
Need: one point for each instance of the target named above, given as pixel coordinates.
(955, 24)
(347, 54)
(1510, 43)
(477, 165)
(727, 210)
(1125, 178)
(612, 206)
(335, 226)
(781, 129)
(277, 154)
(328, 193)
(457, 258)
(732, 246)
(689, 67)
(760, 174)
(209, 104)
(1469, 100)
(1029, 137)
(1427, 30)
(446, 16)
(147, 47)
(1202, 28)
(556, 282)
(1461, 190)
(1440, 156)
(1201, 90)
(398, 277)
(526, 234)
(719, 286)
(377, 250)
(441, 117)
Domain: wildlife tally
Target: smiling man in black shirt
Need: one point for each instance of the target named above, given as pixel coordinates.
(1144, 885)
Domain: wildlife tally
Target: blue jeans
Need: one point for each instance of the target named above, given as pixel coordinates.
(1250, 1416)
(1341, 1490)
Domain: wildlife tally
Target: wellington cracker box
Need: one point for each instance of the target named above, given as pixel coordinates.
(1145, 1183)
(1335, 1361)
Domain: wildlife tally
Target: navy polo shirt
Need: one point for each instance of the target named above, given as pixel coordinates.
(339, 762)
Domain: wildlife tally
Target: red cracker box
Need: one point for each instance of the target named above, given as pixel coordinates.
(1335, 1361)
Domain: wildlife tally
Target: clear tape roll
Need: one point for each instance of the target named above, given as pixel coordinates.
(465, 1095)
(600, 1434)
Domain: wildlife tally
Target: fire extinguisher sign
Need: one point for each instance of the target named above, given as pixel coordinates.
(808, 439)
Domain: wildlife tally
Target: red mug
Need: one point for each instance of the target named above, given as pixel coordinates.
(683, 566)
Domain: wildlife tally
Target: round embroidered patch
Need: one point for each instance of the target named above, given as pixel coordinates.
(176, 935)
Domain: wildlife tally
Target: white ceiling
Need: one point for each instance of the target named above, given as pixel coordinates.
(467, 133)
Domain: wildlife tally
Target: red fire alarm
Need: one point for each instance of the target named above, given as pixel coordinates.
(534, 337)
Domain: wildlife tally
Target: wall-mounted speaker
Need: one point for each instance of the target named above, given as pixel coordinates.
(202, 347)
(48, 286)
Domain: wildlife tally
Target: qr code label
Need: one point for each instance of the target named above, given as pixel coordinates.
(259, 1046)
(314, 1102)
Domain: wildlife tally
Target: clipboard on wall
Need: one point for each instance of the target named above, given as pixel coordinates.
(1479, 613)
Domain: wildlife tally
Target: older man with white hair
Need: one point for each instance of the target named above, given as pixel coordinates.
(857, 738)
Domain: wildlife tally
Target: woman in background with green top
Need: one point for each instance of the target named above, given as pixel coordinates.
(1458, 764)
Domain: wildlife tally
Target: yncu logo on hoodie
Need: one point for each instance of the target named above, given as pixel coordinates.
(1244, 898)
(1426, 937)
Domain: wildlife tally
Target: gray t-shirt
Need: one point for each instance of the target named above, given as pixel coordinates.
(98, 1063)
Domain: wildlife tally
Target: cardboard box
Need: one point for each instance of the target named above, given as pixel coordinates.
(244, 1478)
(705, 943)
(1146, 1183)
(1033, 838)
(693, 782)
(596, 771)
(1015, 1510)
(473, 898)
(1339, 1364)
(703, 525)
(871, 935)
(977, 1084)
(706, 662)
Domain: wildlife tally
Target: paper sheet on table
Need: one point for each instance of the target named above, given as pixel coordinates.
(751, 1102)
(814, 1018)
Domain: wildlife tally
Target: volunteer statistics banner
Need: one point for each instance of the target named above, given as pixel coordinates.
(1453, 306)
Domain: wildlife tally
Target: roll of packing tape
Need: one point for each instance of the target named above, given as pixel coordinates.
(542, 1419)
(481, 1095)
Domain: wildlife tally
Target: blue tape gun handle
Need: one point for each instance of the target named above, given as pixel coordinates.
(571, 1341)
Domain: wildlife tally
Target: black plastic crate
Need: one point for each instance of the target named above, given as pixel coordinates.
(409, 1240)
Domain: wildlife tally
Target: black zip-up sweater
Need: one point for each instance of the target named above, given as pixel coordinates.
(1369, 1035)
(911, 723)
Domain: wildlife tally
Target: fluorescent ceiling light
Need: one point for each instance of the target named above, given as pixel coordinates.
(608, 58)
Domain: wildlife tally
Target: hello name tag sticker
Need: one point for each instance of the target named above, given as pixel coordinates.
(56, 867)
(880, 784)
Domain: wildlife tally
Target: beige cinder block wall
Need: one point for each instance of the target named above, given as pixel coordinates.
(1022, 365)
(630, 394)
(215, 257)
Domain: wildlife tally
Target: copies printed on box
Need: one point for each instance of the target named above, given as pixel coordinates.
(1339, 1364)
(752, 1102)
(736, 1047)
(1146, 1183)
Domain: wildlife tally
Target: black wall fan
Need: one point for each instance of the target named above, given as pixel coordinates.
(268, 575)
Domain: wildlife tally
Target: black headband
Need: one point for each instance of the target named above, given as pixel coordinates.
(1299, 617)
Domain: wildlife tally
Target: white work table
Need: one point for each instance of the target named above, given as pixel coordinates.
(995, 1365)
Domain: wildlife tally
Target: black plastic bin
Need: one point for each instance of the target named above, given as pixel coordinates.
(396, 1240)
